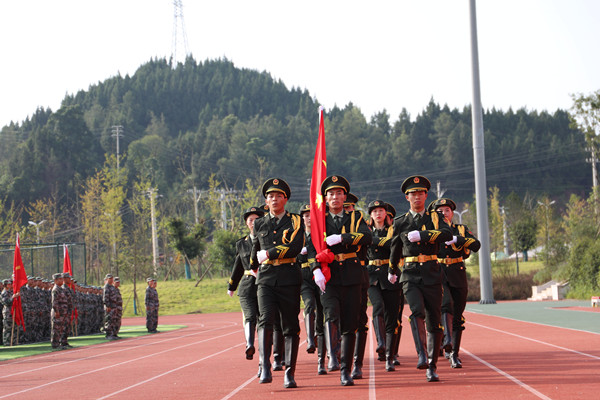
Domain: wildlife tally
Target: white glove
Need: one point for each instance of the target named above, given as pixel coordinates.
(414, 236)
(230, 293)
(304, 251)
(392, 278)
(332, 240)
(262, 255)
(319, 279)
(448, 243)
(253, 273)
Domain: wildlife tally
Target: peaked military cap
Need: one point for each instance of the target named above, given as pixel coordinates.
(304, 208)
(443, 202)
(376, 204)
(276, 185)
(117, 279)
(350, 199)
(6, 282)
(335, 182)
(108, 276)
(391, 210)
(254, 210)
(66, 275)
(56, 276)
(415, 183)
(149, 279)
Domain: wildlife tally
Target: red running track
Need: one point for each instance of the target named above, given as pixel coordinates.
(502, 359)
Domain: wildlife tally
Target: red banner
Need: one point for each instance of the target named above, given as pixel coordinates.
(317, 203)
(19, 280)
(67, 268)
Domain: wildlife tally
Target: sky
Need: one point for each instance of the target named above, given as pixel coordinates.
(379, 55)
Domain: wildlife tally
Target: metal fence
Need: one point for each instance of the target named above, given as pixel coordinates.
(44, 259)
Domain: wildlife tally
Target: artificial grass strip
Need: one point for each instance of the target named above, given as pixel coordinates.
(26, 350)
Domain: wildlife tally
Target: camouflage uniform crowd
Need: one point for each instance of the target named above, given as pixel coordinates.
(79, 311)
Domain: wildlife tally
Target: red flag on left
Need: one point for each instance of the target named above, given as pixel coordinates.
(19, 280)
(67, 268)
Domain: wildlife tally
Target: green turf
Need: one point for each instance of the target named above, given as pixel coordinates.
(9, 353)
(554, 313)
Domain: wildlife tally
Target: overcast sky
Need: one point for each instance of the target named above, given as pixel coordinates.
(378, 54)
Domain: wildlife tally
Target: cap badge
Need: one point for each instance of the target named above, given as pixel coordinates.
(416, 180)
(275, 181)
(334, 179)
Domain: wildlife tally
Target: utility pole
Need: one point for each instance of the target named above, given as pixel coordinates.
(439, 191)
(546, 206)
(485, 264)
(504, 229)
(116, 132)
(179, 33)
(151, 193)
(460, 214)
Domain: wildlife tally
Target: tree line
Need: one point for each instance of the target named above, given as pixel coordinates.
(205, 135)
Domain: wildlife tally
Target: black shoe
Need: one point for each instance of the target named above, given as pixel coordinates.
(431, 375)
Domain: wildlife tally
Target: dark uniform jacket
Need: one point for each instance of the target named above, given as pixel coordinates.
(456, 273)
(378, 254)
(239, 276)
(283, 240)
(355, 234)
(433, 230)
(306, 263)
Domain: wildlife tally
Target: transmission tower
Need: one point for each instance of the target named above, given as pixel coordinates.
(179, 35)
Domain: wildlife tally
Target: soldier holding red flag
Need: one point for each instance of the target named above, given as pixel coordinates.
(346, 232)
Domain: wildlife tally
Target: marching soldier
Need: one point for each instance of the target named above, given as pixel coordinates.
(383, 294)
(244, 281)
(279, 239)
(363, 319)
(452, 256)
(152, 305)
(346, 233)
(417, 237)
(391, 214)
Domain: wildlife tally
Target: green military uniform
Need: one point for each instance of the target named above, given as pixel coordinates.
(421, 275)
(279, 279)
(451, 256)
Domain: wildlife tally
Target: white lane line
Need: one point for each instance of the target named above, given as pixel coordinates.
(237, 389)
(536, 341)
(118, 350)
(372, 391)
(115, 365)
(508, 376)
(168, 372)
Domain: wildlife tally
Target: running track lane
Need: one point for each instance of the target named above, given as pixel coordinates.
(502, 359)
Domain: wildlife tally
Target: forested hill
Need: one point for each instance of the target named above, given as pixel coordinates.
(181, 124)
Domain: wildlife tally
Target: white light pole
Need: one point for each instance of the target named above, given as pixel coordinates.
(547, 205)
(460, 214)
(37, 228)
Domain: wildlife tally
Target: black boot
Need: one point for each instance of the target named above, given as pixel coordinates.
(397, 344)
(331, 334)
(347, 353)
(278, 355)
(389, 352)
(434, 341)
(454, 360)
(379, 328)
(447, 341)
(359, 354)
(265, 343)
(309, 323)
(249, 329)
(322, 355)
(417, 325)
(291, 355)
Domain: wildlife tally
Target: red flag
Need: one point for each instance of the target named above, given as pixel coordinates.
(19, 280)
(67, 268)
(317, 203)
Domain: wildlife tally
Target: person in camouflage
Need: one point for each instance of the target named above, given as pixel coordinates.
(6, 298)
(1, 319)
(119, 312)
(59, 313)
(70, 307)
(152, 304)
(109, 298)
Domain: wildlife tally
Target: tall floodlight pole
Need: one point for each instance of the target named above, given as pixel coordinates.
(483, 231)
